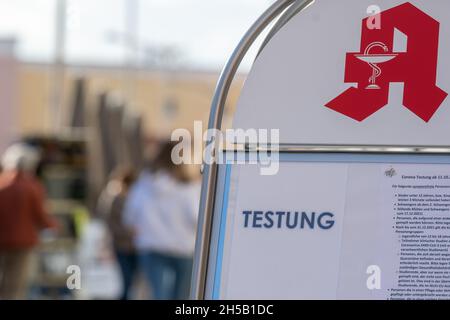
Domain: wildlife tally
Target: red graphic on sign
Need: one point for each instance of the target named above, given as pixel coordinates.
(376, 66)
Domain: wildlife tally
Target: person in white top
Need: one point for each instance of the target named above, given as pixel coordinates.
(162, 209)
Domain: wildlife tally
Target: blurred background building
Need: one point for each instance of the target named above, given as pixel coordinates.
(95, 85)
(95, 99)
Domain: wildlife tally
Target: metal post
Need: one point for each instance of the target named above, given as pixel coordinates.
(132, 48)
(57, 91)
(215, 122)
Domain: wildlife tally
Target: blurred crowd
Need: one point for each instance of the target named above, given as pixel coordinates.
(151, 216)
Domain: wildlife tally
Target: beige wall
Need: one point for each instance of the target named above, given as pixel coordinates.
(149, 92)
(33, 96)
(8, 94)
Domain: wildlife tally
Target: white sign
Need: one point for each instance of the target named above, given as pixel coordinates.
(334, 230)
(327, 226)
(331, 76)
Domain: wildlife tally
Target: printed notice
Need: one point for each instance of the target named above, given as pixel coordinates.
(416, 215)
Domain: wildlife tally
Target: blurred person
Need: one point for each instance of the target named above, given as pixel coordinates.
(162, 208)
(22, 217)
(111, 206)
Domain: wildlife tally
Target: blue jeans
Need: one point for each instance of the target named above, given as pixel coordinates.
(169, 276)
(128, 263)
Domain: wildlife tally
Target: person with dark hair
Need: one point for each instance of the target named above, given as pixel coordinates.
(22, 216)
(162, 208)
(111, 207)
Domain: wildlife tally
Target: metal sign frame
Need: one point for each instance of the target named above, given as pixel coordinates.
(284, 10)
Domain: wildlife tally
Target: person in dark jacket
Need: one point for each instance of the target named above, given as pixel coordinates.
(111, 206)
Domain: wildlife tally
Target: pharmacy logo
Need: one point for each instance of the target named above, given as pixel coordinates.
(377, 65)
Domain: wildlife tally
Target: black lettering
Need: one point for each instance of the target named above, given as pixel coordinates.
(246, 214)
(269, 223)
(328, 223)
(280, 215)
(257, 217)
(309, 221)
(288, 221)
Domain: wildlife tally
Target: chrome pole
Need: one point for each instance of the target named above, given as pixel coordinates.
(58, 76)
(215, 122)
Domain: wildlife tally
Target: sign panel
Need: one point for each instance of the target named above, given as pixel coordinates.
(335, 75)
(343, 225)
(335, 227)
